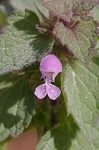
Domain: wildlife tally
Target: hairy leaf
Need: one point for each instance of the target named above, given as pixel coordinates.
(58, 138)
(81, 85)
(65, 138)
(66, 9)
(61, 8)
(21, 44)
(95, 13)
(16, 105)
(78, 41)
(30, 4)
(83, 7)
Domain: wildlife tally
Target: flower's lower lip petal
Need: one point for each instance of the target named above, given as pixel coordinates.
(54, 92)
(40, 91)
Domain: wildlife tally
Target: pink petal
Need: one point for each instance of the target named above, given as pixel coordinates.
(40, 91)
(53, 92)
(50, 63)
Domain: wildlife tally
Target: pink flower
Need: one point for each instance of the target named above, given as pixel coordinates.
(50, 66)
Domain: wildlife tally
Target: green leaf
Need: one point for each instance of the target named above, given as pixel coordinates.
(96, 59)
(57, 139)
(3, 19)
(80, 85)
(65, 138)
(21, 44)
(80, 143)
(95, 13)
(30, 4)
(31, 16)
(97, 45)
(3, 145)
(78, 41)
(16, 105)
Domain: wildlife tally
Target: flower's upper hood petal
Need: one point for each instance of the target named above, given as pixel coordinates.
(51, 63)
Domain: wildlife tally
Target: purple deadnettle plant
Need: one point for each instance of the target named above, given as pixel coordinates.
(50, 66)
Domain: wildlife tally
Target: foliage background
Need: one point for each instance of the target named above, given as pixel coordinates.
(71, 122)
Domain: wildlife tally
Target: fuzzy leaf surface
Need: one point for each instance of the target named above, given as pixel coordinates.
(16, 105)
(66, 9)
(30, 4)
(78, 41)
(95, 13)
(21, 44)
(65, 138)
(60, 8)
(80, 85)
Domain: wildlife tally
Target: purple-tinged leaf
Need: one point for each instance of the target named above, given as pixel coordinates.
(83, 8)
(67, 9)
(78, 40)
(60, 8)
